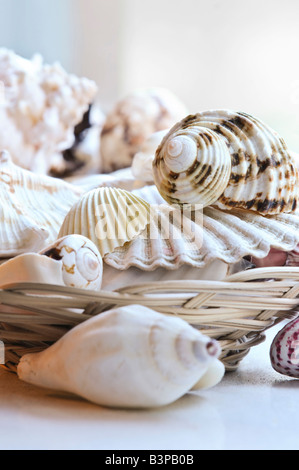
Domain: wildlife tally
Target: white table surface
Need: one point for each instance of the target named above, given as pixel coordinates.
(253, 408)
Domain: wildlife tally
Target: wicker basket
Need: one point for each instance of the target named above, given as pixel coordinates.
(236, 311)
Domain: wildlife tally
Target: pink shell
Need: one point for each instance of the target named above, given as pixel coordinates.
(284, 350)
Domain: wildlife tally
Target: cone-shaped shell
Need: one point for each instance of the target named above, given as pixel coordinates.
(32, 208)
(109, 217)
(226, 158)
(128, 357)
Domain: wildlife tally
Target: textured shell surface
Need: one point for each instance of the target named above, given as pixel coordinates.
(227, 158)
(130, 357)
(41, 106)
(132, 120)
(31, 267)
(81, 262)
(284, 350)
(227, 236)
(109, 217)
(32, 208)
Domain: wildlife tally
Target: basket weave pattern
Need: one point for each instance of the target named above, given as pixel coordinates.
(236, 311)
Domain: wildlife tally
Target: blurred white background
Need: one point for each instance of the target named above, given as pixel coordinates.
(212, 54)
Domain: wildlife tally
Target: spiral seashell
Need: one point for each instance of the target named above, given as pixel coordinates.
(284, 350)
(109, 217)
(130, 357)
(229, 159)
(82, 264)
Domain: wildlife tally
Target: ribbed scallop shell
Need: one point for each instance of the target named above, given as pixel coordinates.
(225, 236)
(226, 158)
(284, 350)
(32, 208)
(109, 217)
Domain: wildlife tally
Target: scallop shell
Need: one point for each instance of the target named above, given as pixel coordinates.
(130, 357)
(225, 236)
(32, 208)
(226, 158)
(284, 350)
(132, 120)
(81, 262)
(40, 106)
(109, 217)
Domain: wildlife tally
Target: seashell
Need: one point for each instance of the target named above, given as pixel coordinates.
(229, 159)
(32, 208)
(212, 377)
(109, 217)
(115, 279)
(41, 104)
(129, 357)
(284, 350)
(132, 120)
(82, 158)
(122, 179)
(31, 267)
(82, 264)
(142, 164)
(216, 235)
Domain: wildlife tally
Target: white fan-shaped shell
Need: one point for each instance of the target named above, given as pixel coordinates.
(132, 120)
(127, 357)
(109, 217)
(225, 236)
(82, 264)
(235, 160)
(32, 208)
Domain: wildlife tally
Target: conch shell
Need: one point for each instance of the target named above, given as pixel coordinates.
(132, 120)
(32, 208)
(110, 217)
(40, 106)
(229, 159)
(73, 261)
(129, 357)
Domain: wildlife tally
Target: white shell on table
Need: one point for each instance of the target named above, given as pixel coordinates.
(32, 208)
(225, 236)
(132, 120)
(109, 217)
(81, 262)
(226, 158)
(284, 350)
(40, 106)
(129, 357)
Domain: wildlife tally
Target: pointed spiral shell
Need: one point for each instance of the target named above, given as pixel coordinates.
(229, 159)
(82, 264)
(131, 357)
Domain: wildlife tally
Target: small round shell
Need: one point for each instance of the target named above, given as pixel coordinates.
(82, 264)
(284, 350)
